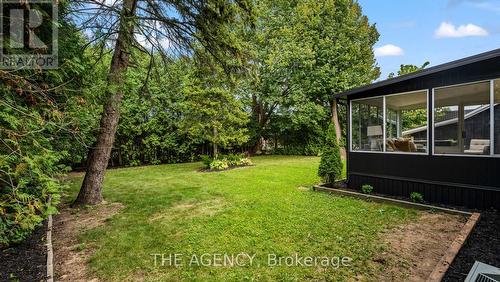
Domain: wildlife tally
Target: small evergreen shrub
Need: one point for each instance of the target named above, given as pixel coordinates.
(330, 167)
(367, 188)
(416, 197)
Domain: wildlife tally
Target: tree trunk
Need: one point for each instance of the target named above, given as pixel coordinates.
(336, 124)
(91, 190)
(215, 149)
(261, 113)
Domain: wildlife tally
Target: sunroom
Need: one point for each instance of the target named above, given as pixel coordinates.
(436, 132)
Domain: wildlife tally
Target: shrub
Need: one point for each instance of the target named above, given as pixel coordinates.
(29, 167)
(232, 159)
(330, 167)
(206, 160)
(23, 199)
(219, 165)
(416, 197)
(245, 162)
(366, 188)
(135, 163)
(222, 162)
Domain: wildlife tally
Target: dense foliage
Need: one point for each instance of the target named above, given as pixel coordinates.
(273, 98)
(44, 124)
(304, 51)
(330, 166)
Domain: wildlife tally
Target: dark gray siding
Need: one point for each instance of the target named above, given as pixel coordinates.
(459, 180)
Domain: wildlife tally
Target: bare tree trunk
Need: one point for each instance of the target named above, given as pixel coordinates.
(336, 124)
(216, 150)
(261, 113)
(91, 190)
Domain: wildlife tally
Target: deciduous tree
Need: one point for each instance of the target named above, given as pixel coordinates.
(305, 51)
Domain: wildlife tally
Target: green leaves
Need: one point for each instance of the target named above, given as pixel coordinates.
(304, 52)
(216, 116)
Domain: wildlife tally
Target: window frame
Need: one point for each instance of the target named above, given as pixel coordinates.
(384, 109)
(492, 119)
(426, 119)
(350, 124)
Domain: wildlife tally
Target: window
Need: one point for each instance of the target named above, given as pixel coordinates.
(462, 119)
(496, 103)
(406, 122)
(367, 124)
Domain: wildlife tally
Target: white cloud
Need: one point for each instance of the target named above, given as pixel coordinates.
(447, 29)
(388, 50)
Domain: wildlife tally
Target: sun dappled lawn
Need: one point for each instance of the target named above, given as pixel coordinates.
(256, 210)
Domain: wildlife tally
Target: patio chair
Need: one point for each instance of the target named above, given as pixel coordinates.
(478, 147)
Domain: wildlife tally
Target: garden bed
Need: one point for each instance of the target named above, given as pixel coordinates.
(27, 260)
(226, 169)
(483, 245)
(342, 185)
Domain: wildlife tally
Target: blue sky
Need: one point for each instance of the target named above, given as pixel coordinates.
(437, 31)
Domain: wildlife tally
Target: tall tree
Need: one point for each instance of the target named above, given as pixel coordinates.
(168, 27)
(90, 193)
(407, 69)
(214, 115)
(305, 51)
(342, 40)
(418, 117)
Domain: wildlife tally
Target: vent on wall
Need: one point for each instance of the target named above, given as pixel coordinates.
(481, 272)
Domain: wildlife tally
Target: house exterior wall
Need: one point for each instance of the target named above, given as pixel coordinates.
(472, 181)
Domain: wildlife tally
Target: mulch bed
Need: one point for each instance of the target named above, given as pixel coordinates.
(483, 245)
(219, 170)
(26, 261)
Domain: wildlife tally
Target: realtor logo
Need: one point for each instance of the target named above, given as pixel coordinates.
(28, 34)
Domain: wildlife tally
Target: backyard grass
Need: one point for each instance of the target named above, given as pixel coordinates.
(257, 210)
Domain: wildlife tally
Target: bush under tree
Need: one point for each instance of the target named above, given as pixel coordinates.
(330, 166)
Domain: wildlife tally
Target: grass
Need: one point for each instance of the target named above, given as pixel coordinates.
(256, 210)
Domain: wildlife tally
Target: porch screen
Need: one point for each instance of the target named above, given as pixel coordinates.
(367, 124)
(462, 119)
(496, 91)
(406, 122)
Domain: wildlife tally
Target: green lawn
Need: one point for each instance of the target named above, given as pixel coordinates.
(256, 210)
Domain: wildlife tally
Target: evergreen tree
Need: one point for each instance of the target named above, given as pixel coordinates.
(330, 166)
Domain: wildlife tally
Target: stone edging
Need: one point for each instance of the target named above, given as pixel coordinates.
(50, 253)
(444, 263)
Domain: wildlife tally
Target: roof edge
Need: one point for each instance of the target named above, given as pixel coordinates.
(453, 64)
